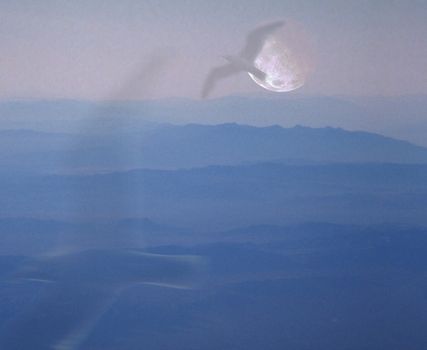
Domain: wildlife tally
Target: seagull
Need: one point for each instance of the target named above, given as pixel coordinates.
(244, 61)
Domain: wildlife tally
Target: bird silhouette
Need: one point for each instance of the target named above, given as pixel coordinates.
(244, 60)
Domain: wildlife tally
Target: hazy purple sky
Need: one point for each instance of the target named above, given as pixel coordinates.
(93, 49)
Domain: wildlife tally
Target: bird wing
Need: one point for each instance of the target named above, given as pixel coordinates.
(256, 38)
(216, 74)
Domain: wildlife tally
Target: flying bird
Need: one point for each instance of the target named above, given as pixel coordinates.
(244, 61)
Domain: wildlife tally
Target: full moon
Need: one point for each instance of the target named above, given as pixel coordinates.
(285, 58)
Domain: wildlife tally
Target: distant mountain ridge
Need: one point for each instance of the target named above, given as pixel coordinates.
(218, 197)
(402, 117)
(173, 146)
(228, 144)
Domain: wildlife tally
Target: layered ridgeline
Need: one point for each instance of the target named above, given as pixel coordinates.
(228, 196)
(400, 117)
(321, 281)
(220, 176)
(317, 231)
(189, 146)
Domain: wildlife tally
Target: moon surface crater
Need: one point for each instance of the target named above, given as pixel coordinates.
(285, 58)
